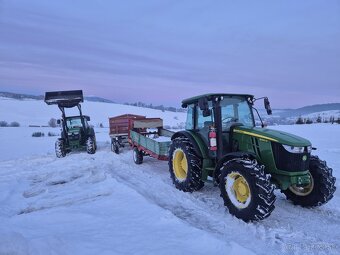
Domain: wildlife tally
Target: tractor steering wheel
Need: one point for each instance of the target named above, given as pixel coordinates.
(231, 119)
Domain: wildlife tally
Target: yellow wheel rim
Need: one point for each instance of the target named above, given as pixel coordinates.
(180, 165)
(238, 190)
(304, 190)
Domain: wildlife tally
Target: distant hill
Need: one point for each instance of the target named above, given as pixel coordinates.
(286, 113)
(20, 96)
(41, 97)
(98, 99)
(310, 109)
(94, 99)
(36, 113)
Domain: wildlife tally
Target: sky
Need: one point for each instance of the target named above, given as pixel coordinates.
(161, 52)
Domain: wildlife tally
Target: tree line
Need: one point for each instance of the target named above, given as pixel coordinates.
(11, 124)
(157, 107)
(319, 119)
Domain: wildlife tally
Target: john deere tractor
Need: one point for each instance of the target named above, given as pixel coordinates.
(76, 133)
(221, 144)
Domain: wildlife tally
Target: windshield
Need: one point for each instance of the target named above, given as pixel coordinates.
(74, 123)
(236, 110)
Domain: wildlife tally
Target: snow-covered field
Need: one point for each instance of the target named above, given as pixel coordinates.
(36, 112)
(105, 204)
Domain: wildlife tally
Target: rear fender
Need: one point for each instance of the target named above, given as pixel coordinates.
(199, 146)
(90, 132)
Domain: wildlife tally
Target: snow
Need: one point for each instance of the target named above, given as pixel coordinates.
(105, 204)
(162, 139)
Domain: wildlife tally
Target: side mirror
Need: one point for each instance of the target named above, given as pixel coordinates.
(87, 118)
(58, 122)
(203, 103)
(204, 106)
(267, 106)
(206, 112)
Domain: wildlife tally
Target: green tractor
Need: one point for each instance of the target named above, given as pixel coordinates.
(221, 144)
(76, 133)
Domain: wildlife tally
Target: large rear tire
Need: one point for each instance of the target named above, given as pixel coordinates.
(246, 189)
(185, 166)
(91, 145)
(60, 150)
(319, 191)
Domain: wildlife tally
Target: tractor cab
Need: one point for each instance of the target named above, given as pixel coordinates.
(76, 128)
(77, 122)
(219, 113)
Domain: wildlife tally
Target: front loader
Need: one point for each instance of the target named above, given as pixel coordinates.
(222, 144)
(76, 133)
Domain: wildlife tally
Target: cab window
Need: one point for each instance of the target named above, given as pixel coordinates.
(190, 116)
(202, 121)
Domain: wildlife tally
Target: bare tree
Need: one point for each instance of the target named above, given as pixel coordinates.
(52, 122)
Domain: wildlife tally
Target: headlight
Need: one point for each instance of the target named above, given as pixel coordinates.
(293, 149)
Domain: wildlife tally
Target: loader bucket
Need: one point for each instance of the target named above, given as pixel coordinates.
(68, 99)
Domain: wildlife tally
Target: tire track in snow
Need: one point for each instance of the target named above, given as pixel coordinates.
(205, 210)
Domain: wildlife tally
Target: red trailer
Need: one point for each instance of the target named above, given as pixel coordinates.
(137, 130)
(119, 129)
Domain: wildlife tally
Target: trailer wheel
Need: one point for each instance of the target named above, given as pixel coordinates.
(246, 189)
(185, 166)
(114, 146)
(319, 191)
(60, 150)
(90, 145)
(137, 156)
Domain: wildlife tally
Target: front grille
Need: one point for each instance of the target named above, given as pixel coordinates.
(291, 162)
(74, 137)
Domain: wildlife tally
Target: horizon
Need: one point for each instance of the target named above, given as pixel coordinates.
(162, 53)
(258, 106)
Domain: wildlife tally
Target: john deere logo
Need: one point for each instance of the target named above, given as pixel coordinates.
(304, 158)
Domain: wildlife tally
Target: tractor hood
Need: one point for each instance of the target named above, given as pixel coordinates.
(274, 136)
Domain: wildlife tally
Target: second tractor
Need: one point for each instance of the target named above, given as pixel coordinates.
(76, 133)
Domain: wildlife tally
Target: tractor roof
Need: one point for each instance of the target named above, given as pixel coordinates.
(195, 99)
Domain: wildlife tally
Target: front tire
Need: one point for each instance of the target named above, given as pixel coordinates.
(321, 189)
(91, 145)
(246, 189)
(60, 150)
(185, 166)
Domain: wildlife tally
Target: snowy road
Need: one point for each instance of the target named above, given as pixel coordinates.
(105, 204)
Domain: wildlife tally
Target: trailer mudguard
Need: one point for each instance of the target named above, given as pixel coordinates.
(199, 146)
